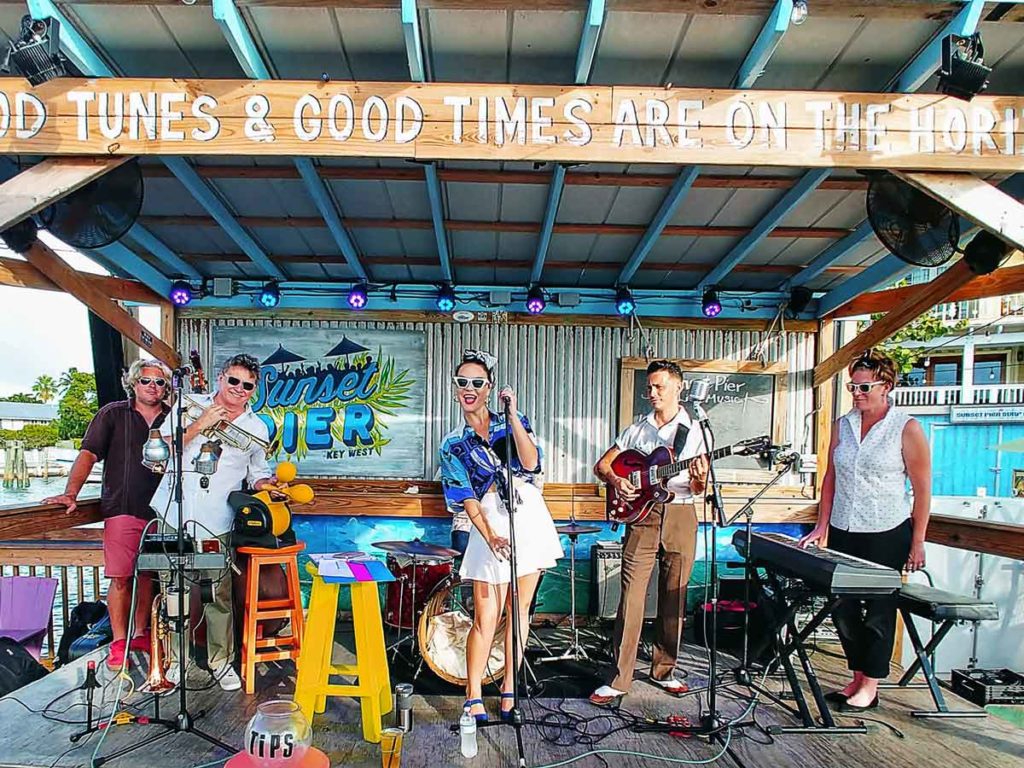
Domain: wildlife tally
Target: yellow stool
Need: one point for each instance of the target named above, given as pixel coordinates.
(256, 648)
(373, 686)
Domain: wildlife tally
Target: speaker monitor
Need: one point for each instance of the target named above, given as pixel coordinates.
(606, 581)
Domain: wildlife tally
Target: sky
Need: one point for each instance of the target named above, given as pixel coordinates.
(47, 332)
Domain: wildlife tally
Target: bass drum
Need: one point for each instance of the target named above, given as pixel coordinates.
(443, 628)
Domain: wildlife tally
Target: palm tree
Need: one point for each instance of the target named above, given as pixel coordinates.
(45, 388)
(66, 378)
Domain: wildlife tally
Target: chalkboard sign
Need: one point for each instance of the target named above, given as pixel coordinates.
(744, 400)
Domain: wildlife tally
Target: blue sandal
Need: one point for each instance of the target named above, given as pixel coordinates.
(506, 714)
(481, 718)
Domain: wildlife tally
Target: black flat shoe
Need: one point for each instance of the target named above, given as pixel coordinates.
(847, 707)
(836, 697)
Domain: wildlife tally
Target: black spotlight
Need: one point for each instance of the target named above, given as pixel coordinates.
(35, 54)
(985, 253)
(710, 305)
(962, 74)
(799, 298)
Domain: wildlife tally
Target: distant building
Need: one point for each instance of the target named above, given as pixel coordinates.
(17, 415)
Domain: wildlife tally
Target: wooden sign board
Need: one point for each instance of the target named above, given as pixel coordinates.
(746, 400)
(433, 121)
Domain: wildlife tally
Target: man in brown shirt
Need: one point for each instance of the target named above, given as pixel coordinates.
(116, 436)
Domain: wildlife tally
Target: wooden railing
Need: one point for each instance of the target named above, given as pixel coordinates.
(74, 558)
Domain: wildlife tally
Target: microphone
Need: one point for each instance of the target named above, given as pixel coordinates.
(503, 396)
(698, 391)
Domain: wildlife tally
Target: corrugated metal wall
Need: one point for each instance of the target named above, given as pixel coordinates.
(567, 376)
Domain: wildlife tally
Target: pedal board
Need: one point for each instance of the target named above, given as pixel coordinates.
(191, 561)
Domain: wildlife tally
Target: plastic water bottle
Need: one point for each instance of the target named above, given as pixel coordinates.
(467, 727)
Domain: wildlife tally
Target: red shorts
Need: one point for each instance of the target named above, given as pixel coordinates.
(121, 537)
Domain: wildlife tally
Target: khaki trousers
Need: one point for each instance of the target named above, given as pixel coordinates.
(217, 616)
(671, 532)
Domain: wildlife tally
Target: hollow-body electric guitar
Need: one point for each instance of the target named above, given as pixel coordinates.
(650, 472)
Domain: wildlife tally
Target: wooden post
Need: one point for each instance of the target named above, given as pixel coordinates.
(51, 265)
(824, 403)
(34, 189)
(169, 325)
(924, 298)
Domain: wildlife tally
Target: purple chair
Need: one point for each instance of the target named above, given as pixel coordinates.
(26, 605)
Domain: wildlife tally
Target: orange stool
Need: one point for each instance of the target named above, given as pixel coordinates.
(256, 648)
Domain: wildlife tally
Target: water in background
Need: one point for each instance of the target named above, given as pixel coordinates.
(39, 489)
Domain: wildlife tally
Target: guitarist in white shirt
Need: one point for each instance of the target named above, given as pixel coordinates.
(669, 530)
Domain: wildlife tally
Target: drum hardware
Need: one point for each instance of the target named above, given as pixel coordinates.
(575, 649)
(421, 555)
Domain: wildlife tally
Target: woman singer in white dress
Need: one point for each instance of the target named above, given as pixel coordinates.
(474, 461)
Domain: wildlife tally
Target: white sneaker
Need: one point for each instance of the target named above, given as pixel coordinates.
(227, 677)
(173, 673)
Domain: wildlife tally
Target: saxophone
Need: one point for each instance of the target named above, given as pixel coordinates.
(160, 635)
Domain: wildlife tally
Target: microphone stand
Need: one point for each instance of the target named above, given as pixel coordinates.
(184, 721)
(711, 723)
(516, 719)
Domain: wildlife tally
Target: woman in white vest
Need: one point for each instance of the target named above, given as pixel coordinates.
(866, 511)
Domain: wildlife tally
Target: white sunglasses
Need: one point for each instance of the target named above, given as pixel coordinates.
(462, 382)
(862, 388)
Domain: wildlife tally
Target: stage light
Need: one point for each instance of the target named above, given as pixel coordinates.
(181, 293)
(962, 74)
(985, 253)
(357, 296)
(800, 12)
(36, 53)
(535, 302)
(624, 303)
(710, 306)
(799, 298)
(445, 298)
(270, 295)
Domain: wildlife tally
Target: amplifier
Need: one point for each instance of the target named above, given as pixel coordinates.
(606, 581)
(203, 561)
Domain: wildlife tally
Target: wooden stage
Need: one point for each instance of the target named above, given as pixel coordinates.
(894, 739)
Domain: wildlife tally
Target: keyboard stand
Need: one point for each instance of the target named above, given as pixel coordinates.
(782, 616)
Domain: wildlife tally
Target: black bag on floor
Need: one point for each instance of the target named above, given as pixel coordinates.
(83, 617)
(17, 667)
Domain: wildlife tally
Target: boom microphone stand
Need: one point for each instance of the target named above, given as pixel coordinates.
(184, 721)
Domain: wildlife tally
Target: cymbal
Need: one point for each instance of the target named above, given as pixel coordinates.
(415, 548)
(577, 529)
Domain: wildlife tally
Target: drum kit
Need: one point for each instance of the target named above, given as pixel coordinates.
(430, 608)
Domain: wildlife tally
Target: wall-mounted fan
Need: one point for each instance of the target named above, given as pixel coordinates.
(99, 213)
(94, 216)
(915, 227)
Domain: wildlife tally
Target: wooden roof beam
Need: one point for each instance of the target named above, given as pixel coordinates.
(857, 9)
(470, 176)
(923, 298)
(1002, 282)
(40, 185)
(525, 227)
(57, 271)
(21, 274)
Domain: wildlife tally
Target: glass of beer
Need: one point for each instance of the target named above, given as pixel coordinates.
(391, 747)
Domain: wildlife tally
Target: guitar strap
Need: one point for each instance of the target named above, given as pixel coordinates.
(682, 432)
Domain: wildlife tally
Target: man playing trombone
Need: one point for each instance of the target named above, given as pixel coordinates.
(229, 432)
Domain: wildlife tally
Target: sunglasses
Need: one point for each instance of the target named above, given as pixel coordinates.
(248, 386)
(862, 388)
(146, 381)
(465, 383)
